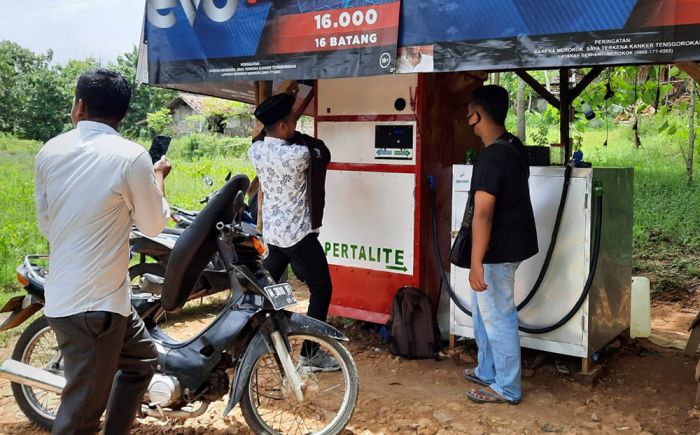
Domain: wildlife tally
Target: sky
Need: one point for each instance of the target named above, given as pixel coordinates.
(73, 29)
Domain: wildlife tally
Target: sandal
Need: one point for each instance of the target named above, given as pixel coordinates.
(470, 375)
(483, 395)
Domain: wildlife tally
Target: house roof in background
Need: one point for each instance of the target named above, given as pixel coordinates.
(194, 101)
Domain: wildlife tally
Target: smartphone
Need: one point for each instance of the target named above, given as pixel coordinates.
(159, 147)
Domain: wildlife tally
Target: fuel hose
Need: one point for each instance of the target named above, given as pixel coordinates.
(598, 194)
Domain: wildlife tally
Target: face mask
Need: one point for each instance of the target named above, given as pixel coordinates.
(473, 126)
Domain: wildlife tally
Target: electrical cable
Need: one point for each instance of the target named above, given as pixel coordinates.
(609, 93)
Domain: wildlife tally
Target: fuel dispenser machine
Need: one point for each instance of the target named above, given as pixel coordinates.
(387, 135)
(598, 202)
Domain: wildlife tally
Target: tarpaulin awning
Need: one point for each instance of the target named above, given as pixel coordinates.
(225, 44)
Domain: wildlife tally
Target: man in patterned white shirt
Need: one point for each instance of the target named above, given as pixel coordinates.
(292, 207)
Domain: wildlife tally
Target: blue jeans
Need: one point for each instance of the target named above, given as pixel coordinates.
(495, 321)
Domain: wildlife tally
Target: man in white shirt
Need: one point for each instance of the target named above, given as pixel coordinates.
(293, 208)
(91, 186)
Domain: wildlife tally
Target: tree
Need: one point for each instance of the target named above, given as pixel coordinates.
(691, 144)
(36, 98)
(33, 104)
(144, 99)
(70, 72)
(159, 121)
(675, 127)
(17, 64)
(45, 111)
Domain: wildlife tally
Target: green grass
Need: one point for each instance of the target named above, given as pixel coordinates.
(666, 211)
(19, 235)
(184, 186)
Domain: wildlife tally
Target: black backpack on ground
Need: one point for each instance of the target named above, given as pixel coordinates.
(414, 332)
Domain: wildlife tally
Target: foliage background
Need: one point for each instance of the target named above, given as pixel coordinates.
(643, 125)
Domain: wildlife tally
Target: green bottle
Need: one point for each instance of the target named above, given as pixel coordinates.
(470, 156)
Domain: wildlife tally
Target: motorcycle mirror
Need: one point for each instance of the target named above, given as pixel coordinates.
(208, 181)
(238, 204)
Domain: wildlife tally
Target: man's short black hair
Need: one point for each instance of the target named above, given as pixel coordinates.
(494, 100)
(272, 128)
(106, 94)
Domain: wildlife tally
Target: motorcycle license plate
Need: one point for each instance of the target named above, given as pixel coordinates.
(280, 295)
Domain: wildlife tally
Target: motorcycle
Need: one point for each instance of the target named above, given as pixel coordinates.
(256, 351)
(153, 256)
(153, 253)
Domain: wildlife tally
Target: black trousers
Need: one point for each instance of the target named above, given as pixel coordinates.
(309, 260)
(109, 360)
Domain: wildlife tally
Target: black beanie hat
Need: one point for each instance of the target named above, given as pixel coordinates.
(274, 109)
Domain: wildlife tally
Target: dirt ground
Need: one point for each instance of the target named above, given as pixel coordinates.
(644, 389)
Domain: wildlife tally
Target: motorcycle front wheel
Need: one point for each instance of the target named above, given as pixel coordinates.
(37, 346)
(269, 405)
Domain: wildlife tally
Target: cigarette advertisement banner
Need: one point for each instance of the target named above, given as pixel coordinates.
(463, 35)
(214, 41)
(190, 41)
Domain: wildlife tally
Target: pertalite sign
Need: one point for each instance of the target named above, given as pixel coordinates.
(391, 259)
(368, 227)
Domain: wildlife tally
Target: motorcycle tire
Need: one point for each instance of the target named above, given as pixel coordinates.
(26, 397)
(251, 404)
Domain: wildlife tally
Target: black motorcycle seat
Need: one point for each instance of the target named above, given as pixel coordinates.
(197, 244)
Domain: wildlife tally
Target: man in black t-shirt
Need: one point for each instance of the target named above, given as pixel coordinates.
(503, 235)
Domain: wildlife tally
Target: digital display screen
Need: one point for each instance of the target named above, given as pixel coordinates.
(394, 142)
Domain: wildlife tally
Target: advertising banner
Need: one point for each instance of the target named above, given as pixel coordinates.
(214, 42)
(191, 41)
(459, 35)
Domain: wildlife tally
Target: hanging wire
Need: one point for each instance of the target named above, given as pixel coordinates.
(635, 127)
(608, 95)
(658, 86)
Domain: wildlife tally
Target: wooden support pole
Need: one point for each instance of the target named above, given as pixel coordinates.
(590, 372)
(565, 113)
(537, 86)
(566, 96)
(587, 80)
(586, 365)
(691, 347)
(263, 90)
(304, 104)
(520, 111)
(691, 68)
